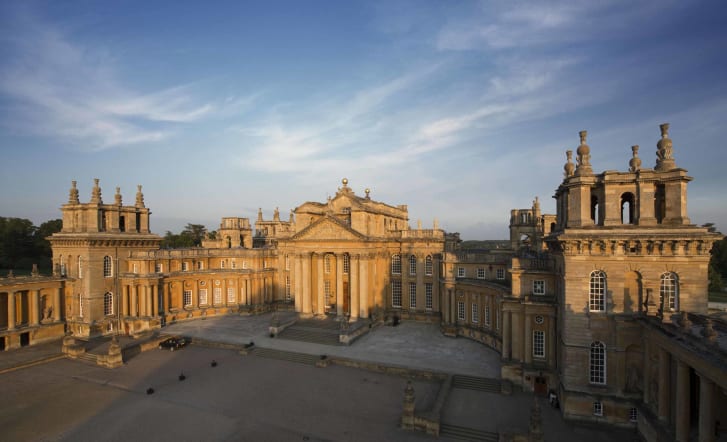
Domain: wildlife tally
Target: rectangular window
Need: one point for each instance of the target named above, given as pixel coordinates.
(412, 265)
(428, 301)
(185, 266)
(327, 291)
(187, 298)
(480, 273)
(428, 266)
(412, 295)
(396, 294)
(233, 264)
(158, 267)
(200, 265)
(287, 262)
(231, 295)
(135, 268)
(538, 287)
(327, 264)
(487, 315)
(460, 311)
(287, 288)
(597, 408)
(461, 272)
(222, 263)
(244, 265)
(500, 273)
(538, 343)
(217, 293)
(203, 297)
(346, 263)
(633, 414)
(475, 314)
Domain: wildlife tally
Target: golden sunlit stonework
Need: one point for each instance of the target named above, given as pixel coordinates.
(602, 306)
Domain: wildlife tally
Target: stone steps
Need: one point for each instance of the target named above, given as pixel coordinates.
(464, 433)
(324, 337)
(476, 383)
(88, 358)
(326, 324)
(300, 358)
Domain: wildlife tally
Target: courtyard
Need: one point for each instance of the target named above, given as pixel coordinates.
(245, 397)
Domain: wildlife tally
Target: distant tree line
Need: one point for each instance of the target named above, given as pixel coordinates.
(23, 244)
(191, 236)
(718, 266)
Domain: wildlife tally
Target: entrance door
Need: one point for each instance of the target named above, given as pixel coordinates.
(540, 386)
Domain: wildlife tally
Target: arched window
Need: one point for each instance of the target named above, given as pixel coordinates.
(597, 292)
(62, 265)
(80, 267)
(412, 265)
(108, 304)
(598, 363)
(627, 208)
(669, 291)
(428, 265)
(108, 270)
(396, 264)
(595, 215)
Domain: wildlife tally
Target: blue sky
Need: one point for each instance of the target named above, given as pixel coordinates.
(462, 110)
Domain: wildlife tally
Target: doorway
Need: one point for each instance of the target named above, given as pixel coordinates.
(540, 386)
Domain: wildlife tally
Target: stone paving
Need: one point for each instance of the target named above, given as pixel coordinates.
(253, 398)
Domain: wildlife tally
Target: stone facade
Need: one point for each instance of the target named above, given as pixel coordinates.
(602, 305)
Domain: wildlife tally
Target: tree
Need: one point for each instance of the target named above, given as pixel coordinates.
(196, 232)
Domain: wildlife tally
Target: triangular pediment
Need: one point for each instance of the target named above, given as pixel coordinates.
(328, 228)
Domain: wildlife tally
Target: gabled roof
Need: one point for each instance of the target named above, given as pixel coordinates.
(328, 227)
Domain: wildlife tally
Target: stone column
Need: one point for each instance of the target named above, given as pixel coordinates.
(11, 310)
(298, 283)
(682, 402)
(353, 286)
(57, 305)
(307, 284)
(132, 304)
(339, 285)
(706, 409)
(34, 310)
(364, 291)
(664, 383)
(528, 338)
(124, 301)
(149, 301)
(155, 300)
(506, 333)
(320, 293)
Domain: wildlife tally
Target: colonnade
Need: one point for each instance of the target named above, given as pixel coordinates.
(140, 300)
(26, 304)
(305, 287)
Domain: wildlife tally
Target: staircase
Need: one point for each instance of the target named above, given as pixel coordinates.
(316, 331)
(300, 358)
(475, 383)
(464, 433)
(88, 358)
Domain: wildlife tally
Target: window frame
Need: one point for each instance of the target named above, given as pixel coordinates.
(461, 272)
(500, 274)
(461, 312)
(481, 273)
(597, 363)
(412, 295)
(428, 265)
(412, 265)
(539, 344)
(475, 313)
(428, 296)
(187, 298)
(539, 287)
(108, 304)
(597, 290)
(396, 264)
(396, 293)
(669, 291)
(108, 267)
(231, 295)
(202, 297)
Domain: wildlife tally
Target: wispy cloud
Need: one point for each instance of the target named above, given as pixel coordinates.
(57, 88)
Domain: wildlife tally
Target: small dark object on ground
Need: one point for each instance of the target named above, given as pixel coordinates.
(213, 363)
(149, 390)
(174, 343)
(182, 376)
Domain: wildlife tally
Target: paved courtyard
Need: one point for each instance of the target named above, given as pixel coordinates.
(411, 344)
(254, 398)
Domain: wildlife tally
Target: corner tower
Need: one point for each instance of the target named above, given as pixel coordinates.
(624, 248)
(91, 251)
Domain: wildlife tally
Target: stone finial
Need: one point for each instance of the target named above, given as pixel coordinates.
(260, 214)
(73, 194)
(35, 271)
(117, 197)
(368, 197)
(139, 196)
(419, 224)
(536, 205)
(685, 323)
(344, 182)
(409, 392)
(708, 331)
(569, 166)
(664, 155)
(435, 225)
(583, 158)
(635, 163)
(276, 215)
(292, 217)
(96, 192)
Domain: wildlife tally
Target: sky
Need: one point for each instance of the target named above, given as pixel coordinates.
(463, 110)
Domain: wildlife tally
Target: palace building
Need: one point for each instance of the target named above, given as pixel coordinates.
(602, 305)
